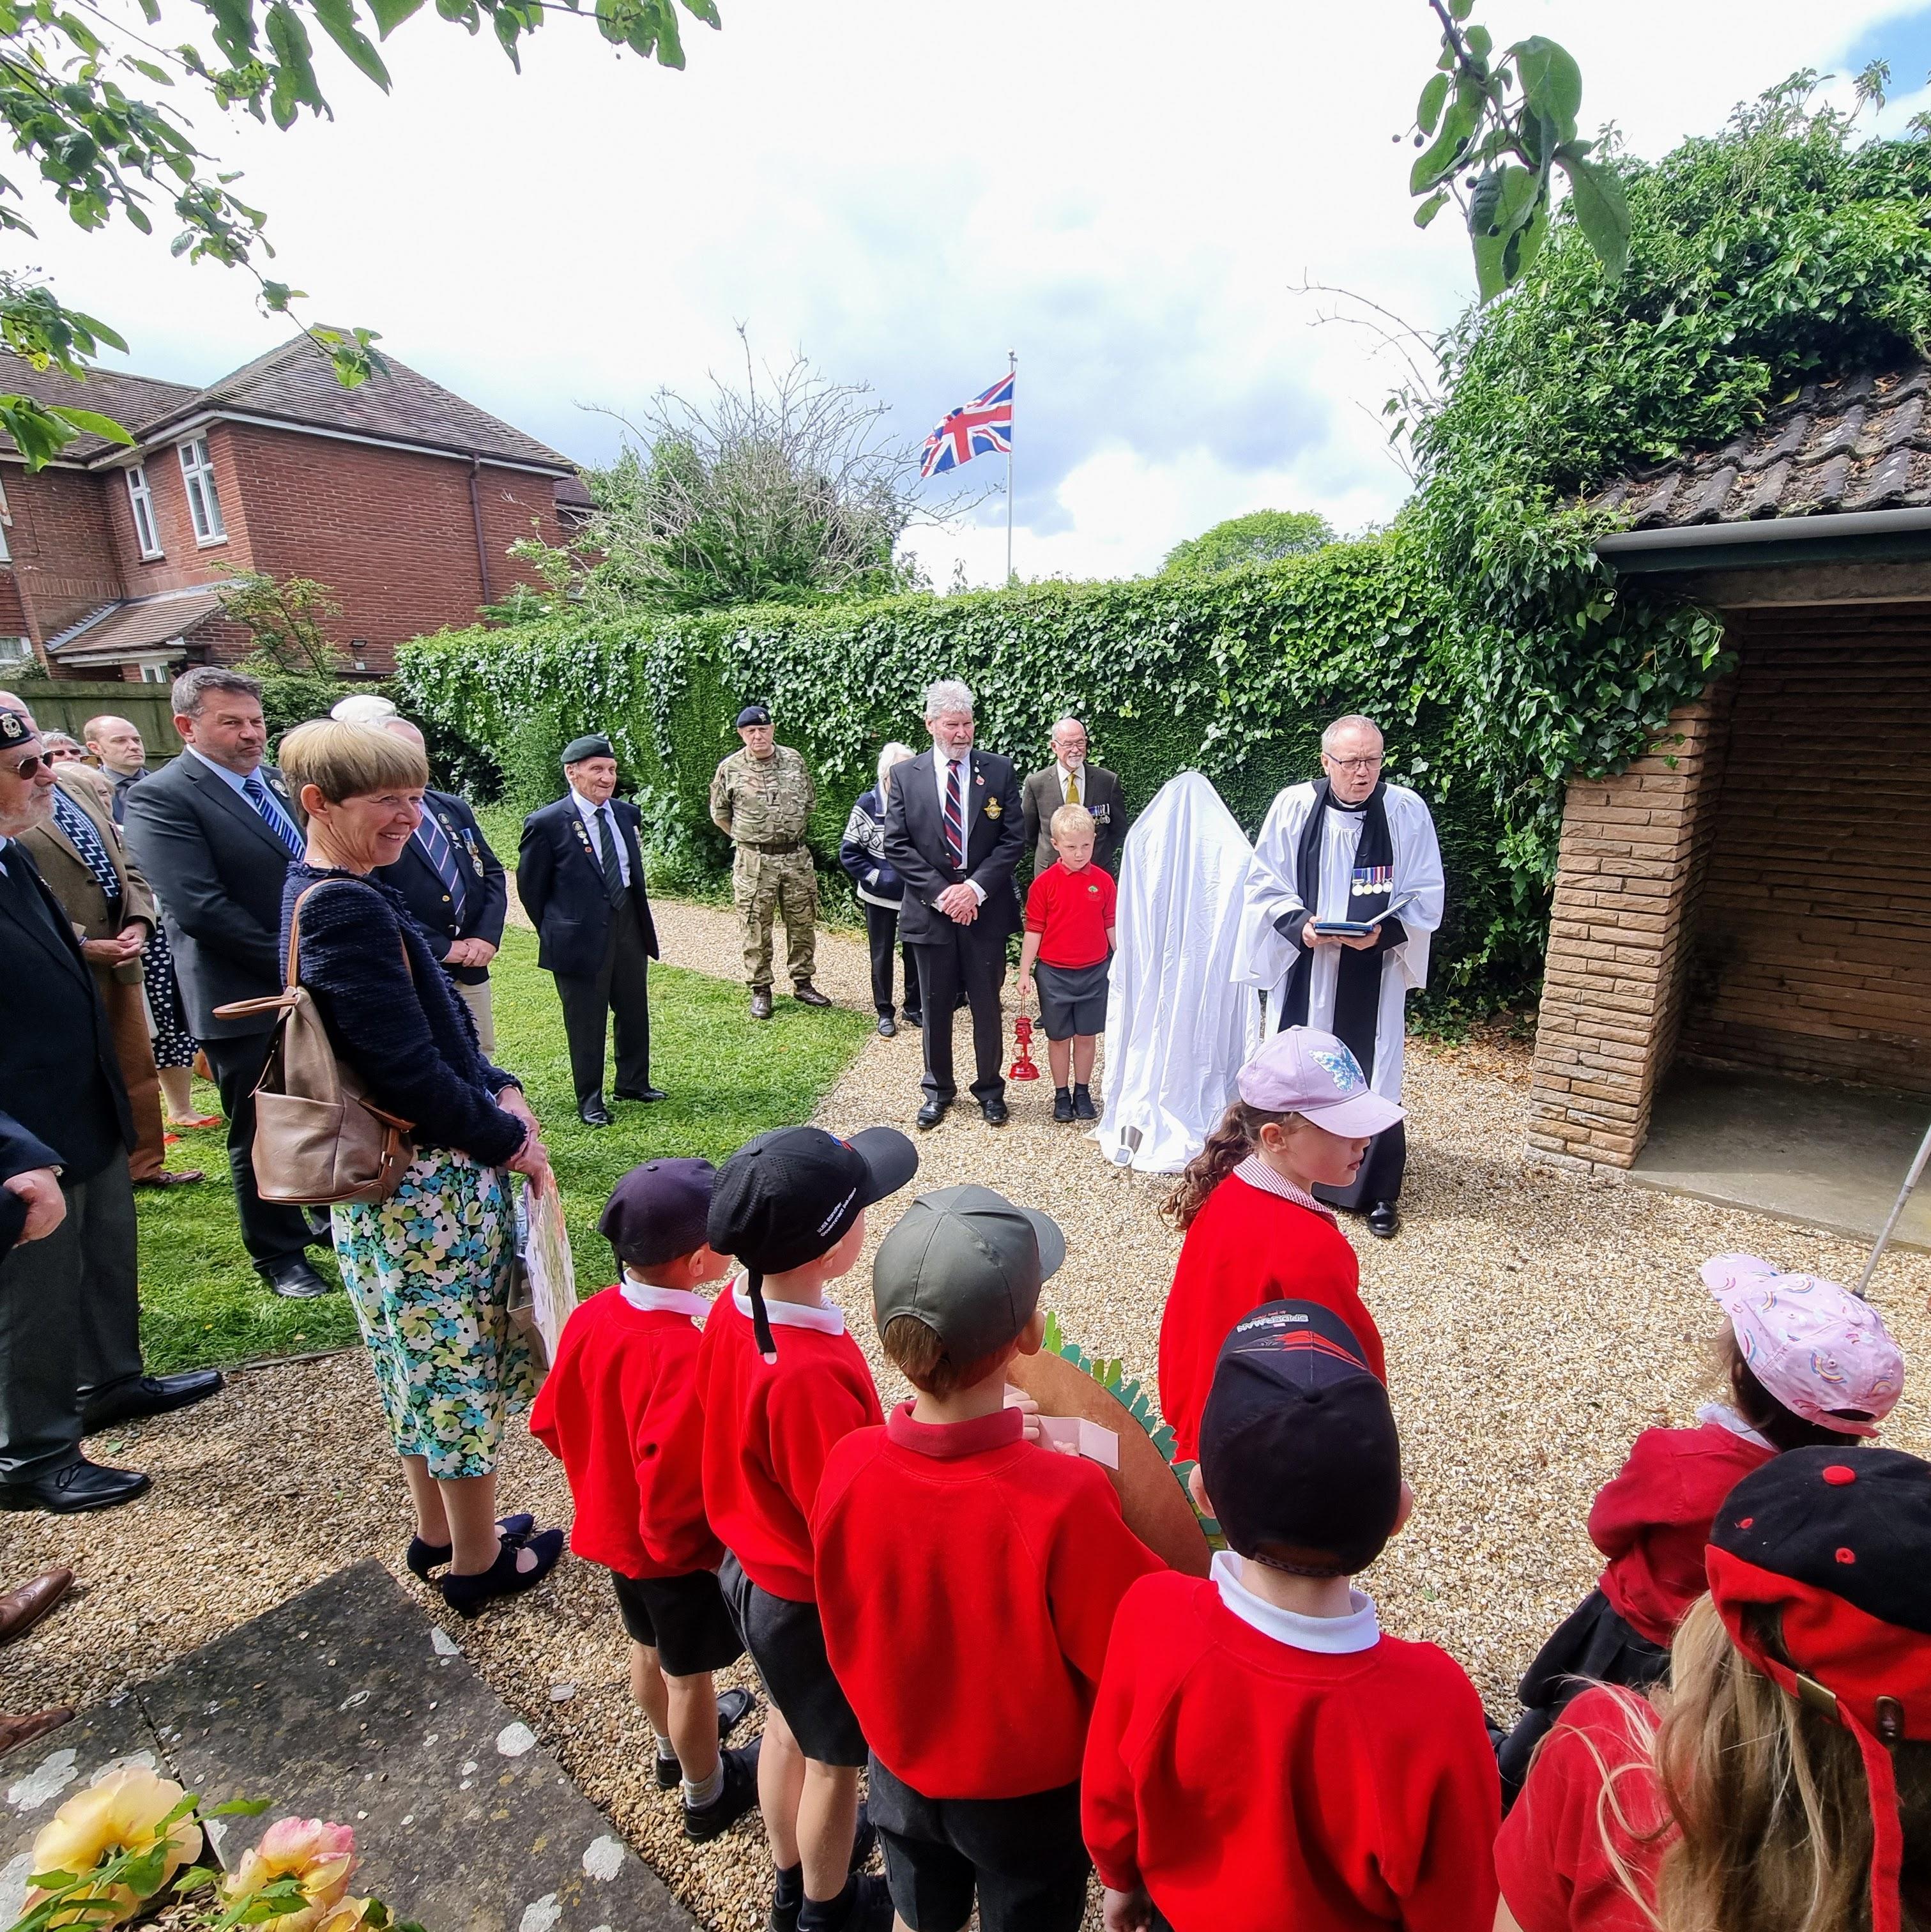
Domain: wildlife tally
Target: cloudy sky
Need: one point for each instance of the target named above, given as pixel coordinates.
(1130, 195)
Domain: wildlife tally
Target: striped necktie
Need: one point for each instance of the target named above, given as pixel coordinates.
(86, 840)
(430, 834)
(607, 855)
(257, 795)
(955, 836)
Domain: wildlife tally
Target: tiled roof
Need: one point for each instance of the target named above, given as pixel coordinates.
(1861, 443)
(294, 384)
(132, 401)
(136, 625)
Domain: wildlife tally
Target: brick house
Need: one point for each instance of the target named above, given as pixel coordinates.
(400, 496)
(1754, 895)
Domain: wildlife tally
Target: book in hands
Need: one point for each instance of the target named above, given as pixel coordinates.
(1360, 929)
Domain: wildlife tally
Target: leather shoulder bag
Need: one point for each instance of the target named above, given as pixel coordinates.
(319, 1138)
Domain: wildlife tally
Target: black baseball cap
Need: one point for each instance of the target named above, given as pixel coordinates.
(969, 1263)
(792, 1195)
(593, 745)
(659, 1210)
(754, 714)
(1298, 1447)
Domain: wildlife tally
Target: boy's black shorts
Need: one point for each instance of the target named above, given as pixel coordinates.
(682, 1618)
(787, 1642)
(1023, 1857)
(1072, 999)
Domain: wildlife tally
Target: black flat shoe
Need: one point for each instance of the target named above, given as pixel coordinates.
(150, 1395)
(470, 1596)
(995, 1113)
(639, 1092)
(423, 1557)
(595, 1113)
(912, 1019)
(1083, 1107)
(1063, 1106)
(703, 1822)
(1384, 1220)
(932, 1113)
(295, 1280)
(888, 1028)
(75, 1486)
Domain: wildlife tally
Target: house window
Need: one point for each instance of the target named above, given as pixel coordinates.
(154, 674)
(203, 505)
(147, 532)
(15, 650)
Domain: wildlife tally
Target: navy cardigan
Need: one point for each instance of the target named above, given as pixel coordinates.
(405, 1031)
(862, 853)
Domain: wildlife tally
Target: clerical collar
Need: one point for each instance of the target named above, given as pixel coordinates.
(1335, 803)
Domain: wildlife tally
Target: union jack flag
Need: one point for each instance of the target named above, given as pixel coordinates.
(981, 428)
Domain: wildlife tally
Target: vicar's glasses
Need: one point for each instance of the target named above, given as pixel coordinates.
(1353, 764)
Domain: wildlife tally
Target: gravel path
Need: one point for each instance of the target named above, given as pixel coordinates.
(1534, 1323)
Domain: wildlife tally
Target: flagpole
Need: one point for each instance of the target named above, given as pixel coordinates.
(1013, 372)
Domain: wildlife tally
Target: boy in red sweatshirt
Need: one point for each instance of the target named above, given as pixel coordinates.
(620, 1408)
(1261, 1755)
(968, 1579)
(782, 1382)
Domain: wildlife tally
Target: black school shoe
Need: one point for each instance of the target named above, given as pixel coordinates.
(703, 1822)
(1083, 1107)
(864, 1841)
(1063, 1106)
(733, 1707)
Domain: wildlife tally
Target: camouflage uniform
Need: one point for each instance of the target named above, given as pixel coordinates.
(762, 805)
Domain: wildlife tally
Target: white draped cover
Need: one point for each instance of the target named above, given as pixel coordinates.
(1177, 1028)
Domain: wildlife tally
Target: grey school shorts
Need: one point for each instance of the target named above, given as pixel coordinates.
(1072, 999)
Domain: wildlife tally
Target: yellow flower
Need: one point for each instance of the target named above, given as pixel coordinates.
(344, 1915)
(121, 1812)
(319, 1857)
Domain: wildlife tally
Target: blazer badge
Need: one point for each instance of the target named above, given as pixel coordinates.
(993, 809)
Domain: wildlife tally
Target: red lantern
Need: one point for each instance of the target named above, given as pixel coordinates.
(1022, 1068)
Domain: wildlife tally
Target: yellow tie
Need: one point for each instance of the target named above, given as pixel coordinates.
(1072, 788)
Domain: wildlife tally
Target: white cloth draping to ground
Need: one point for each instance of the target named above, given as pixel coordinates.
(1177, 1029)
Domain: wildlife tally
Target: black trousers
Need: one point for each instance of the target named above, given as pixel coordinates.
(69, 1323)
(619, 990)
(881, 933)
(270, 1232)
(964, 958)
(1379, 1177)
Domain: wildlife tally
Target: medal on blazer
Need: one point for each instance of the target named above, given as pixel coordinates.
(582, 839)
(469, 846)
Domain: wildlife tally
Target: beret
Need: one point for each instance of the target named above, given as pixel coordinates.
(596, 745)
(753, 714)
(15, 730)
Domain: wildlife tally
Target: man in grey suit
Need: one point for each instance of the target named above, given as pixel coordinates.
(214, 832)
(1070, 780)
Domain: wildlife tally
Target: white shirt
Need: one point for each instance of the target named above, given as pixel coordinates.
(590, 814)
(238, 781)
(1333, 1636)
(941, 770)
(1257, 1173)
(1064, 772)
(827, 1320)
(1725, 1417)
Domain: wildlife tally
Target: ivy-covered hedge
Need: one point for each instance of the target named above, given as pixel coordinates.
(1235, 676)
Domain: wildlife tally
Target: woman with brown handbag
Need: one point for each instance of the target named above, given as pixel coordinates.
(427, 1268)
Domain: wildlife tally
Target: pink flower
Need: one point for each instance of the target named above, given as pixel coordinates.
(319, 1857)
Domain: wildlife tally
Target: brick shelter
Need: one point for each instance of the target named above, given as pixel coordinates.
(1754, 894)
(400, 495)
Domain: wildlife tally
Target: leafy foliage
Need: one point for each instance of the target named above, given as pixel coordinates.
(73, 89)
(1262, 536)
(300, 670)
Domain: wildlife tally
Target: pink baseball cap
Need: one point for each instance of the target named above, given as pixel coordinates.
(1302, 1070)
(1813, 1345)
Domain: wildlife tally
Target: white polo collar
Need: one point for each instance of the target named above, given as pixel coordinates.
(1725, 1417)
(648, 1301)
(827, 1320)
(1257, 1173)
(1333, 1637)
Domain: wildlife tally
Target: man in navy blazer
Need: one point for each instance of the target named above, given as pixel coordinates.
(214, 832)
(954, 831)
(456, 891)
(579, 874)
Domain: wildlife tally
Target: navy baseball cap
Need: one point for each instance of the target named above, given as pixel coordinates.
(1298, 1447)
(793, 1194)
(754, 714)
(659, 1210)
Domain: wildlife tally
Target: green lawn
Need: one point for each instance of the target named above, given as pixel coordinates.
(727, 1077)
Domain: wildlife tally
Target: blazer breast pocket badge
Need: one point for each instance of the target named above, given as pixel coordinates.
(993, 809)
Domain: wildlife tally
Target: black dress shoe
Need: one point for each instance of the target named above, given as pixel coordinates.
(77, 1485)
(933, 1112)
(293, 1278)
(1384, 1220)
(595, 1113)
(995, 1113)
(737, 1795)
(913, 1019)
(150, 1395)
(807, 994)
(888, 1028)
(639, 1093)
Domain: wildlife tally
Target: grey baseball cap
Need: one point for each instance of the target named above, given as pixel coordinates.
(969, 1263)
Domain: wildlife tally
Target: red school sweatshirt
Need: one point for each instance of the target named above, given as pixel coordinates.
(1652, 1521)
(968, 1580)
(1251, 1785)
(1247, 1247)
(620, 1408)
(768, 1428)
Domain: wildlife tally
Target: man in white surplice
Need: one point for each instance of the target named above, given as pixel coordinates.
(1346, 846)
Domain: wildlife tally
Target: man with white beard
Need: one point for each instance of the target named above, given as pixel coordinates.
(1348, 849)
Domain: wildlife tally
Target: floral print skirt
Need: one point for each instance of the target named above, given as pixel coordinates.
(428, 1272)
